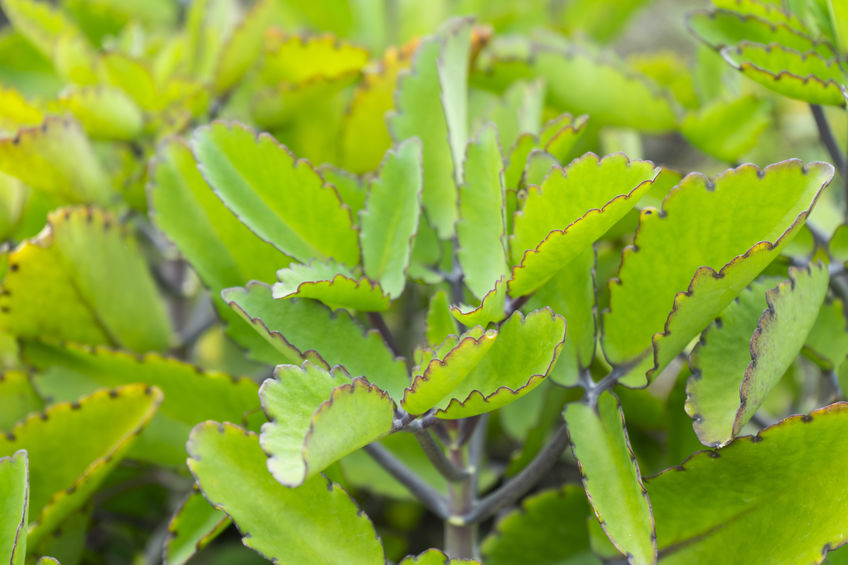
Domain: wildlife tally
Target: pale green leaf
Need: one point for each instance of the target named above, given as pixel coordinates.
(40, 22)
(282, 199)
(17, 398)
(675, 279)
(243, 47)
(549, 528)
(435, 557)
(481, 229)
(518, 112)
(827, 342)
(727, 129)
(287, 525)
(72, 282)
(65, 472)
(192, 395)
(316, 418)
(389, 220)
(351, 188)
(611, 476)
(194, 525)
(14, 484)
(440, 323)
(708, 508)
(332, 284)
(492, 308)
(301, 329)
(104, 112)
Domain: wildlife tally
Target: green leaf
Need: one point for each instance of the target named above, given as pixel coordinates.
(440, 323)
(14, 484)
(281, 199)
(550, 527)
(572, 209)
(104, 112)
(41, 23)
(222, 250)
(287, 525)
(431, 104)
(389, 221)
(435, 557)
(580, 82)
(67, 542)
(296, 59)
(16, 111)
(708, 508)
(65, 472)
(518, 112)
(611, 476)
(720, 28)
(194, 525)
(243, 47)
(316, 418)
(827, 342)
(133, 76)
(727, 130)
(72, 282)
(57, 159)
(571, 294)
(804, 76)
(752, 214)
(492, 308)
(731, 373)
(192, 395)
(481, 229)
(17, 398)
(483, 371)
(350, 187)
(302, 329)
(774, 12)
(332, 284)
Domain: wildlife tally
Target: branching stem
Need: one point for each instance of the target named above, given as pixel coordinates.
(431, 498)
(438, 458)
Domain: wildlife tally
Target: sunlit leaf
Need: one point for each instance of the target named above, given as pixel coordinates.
(331, 284)
(491, 309)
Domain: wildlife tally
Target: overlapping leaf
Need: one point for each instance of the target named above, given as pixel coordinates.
(698, 266)
(281, 199)
(191, 394)
(318, 417)
(435, 557)
(491, 310)
(611, 476)
(827, 342)
(195, 524)
(72, 281)
(707, 509)
(281, 523)
(727, 129)
(571, 209)
(243, 47)
(302, 329)
(484, 370)
(746, 351)
(332, 284)
(61, 479)
(14, 484)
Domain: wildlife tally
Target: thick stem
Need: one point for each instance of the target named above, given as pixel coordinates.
(437, 457)
(460, 535)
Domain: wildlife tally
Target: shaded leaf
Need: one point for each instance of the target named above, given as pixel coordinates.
(611, 476)
(281, 199)
(727, 130)
(492, 308)
(72, 281)
(752, 214)
(707, 508)
(14, 484)
(194, 525)
(316, 418)
(192, 395)
(284, 524)
(827, 342)
(389, 220)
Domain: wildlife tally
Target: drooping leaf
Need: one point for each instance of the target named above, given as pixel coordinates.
(707, 509)
(752, 214)
(281, 523)
(732, 376)
(389, 220)
(827, 342)
(571, 294)
(57, 159)
(316, 418)
(281, 199)
(194, 525)
(491, 309)
(302, 329)
(611, 476)
(222, 250)
(62, 479)
(549, 528)
(481, 228)
(104, 112)
(569, 211)
(431, 104)
(727, 129)
(17, 398)
(486, 370)
(435, 557)
(72, 281)
(332, 284)
(192, 395)
(804, 76)
(440, 323)
(14, 484)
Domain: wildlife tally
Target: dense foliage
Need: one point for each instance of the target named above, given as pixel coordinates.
(367, 282)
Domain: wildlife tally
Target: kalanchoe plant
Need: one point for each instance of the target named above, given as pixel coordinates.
(468, 336)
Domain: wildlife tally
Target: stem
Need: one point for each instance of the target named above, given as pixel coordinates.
(460, 535)
(438, 458)
(827, 138)
(410, 479)
(513, 489)
(379, 324)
